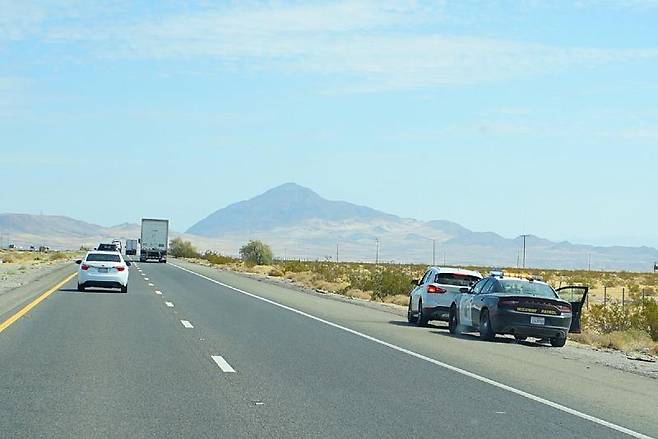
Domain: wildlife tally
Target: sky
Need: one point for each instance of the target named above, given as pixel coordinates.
(524, 116)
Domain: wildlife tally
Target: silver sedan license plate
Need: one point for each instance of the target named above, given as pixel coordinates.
(537, 320)
(102, 270)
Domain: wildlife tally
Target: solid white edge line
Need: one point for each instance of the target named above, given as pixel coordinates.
(464, 372)
(169, 304)
(186, 324)
(222, 363)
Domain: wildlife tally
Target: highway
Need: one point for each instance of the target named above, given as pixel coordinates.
(191, 351)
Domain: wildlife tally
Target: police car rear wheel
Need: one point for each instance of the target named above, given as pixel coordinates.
(558, 342)
(486, 331)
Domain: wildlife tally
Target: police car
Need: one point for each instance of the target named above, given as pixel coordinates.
(521, 306)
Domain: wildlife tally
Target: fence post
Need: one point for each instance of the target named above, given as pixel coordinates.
(605, 295)
(623, 293)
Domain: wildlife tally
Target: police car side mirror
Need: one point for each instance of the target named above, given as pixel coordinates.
(79, 261)
(128, 263)
(465, 290)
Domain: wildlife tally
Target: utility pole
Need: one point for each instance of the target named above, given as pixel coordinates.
(433, 252)
(445, 256)
(336, 251)
(377, 252)
(589, 262)
(524, 247)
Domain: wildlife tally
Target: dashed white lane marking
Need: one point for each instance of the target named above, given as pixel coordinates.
(223, 364)
(146, 278)
(169, 304)
(150, 284)
(458, 370)
(158, 292)
(187, 324)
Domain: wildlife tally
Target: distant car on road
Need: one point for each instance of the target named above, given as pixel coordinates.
(118, 245)
(522, 307)
(107, 247)
(433, 294)
(103, 269)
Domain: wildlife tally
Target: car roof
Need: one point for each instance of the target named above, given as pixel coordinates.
(103, 252)
(455, 270)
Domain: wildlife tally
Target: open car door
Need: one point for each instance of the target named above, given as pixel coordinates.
(576, 295)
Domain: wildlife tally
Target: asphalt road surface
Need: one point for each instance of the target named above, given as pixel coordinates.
(214, 354)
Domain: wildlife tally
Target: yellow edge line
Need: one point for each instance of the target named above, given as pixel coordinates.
(7, 323)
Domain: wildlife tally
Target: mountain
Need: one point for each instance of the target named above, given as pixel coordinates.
(284, 205)
(299, 223)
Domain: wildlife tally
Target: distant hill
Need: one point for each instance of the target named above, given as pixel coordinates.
(298, 222)
(59, 231)
(282, 206)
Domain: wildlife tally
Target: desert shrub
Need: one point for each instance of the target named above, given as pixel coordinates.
(57, 256)
(361, 280)
(294, 266)
(7, 259)
(613, 318)
(256, 253)
(390, 281)
(182, 249)
(275, 272)
(329, 271)
(217, 258)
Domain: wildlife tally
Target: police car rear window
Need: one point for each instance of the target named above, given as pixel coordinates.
(101, 257)
(523, 288)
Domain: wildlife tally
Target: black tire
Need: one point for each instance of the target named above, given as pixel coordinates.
(421, 320)
(558, 342)
(81, 288)
(410, 315)
(453, 321)
(124, 289)
(520, 338)
(486, 331)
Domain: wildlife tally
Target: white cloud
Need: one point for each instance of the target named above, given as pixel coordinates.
(367, 45)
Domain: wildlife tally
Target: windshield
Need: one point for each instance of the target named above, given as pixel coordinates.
(525, 288)
(102, 257)
(459, 280)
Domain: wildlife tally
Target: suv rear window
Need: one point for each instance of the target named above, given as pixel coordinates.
(460, 280)
(100, 257)
(107, 247)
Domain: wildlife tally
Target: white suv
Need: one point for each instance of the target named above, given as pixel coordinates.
(103, 269)
(435, 292)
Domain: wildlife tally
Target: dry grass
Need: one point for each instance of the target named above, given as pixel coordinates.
(27, 258)
(626, 341)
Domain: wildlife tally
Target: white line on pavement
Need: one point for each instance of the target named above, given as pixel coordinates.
(158, 292)
(146, 278)
(150, 284)
(187, 324)
(464, 372)
(223, 365)
(169, 304)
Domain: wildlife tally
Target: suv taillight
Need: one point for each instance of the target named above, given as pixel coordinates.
(84, 267)
(120, 268)
(433, 289)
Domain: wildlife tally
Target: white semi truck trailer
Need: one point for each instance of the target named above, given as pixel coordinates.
(154, 240)
(131, 246)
